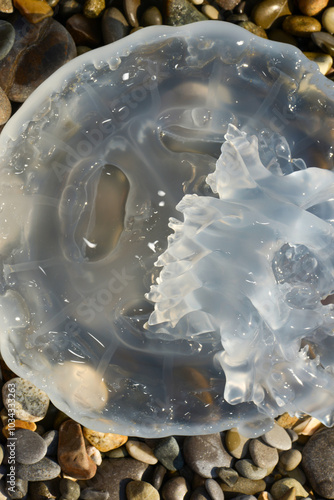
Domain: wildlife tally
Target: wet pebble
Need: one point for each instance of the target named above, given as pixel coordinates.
(302, 26)
(43, 470)
(214, 490)
(84, 31)
(205, 454)
(236, 444)
(175, 488)
(263, 455)
(248, 469)
(324, 41)
(151, 17)
(131, 8)
(254, 28)
(7, 37)
(141, 451)
(277, 437)
(68, 8)
(318, 462)
(104, 441)
(179, 12)
(72, 455)
(324, 61)
(114, 25)
(327, 20)
(281, 487)
(5, 107)
(93, 8)
(311, 7)
(267, 12)
(34, 10)
(168, 453)
(30, 447)
(227, 4)
(94, 454)
(141, 490)
(69, 489)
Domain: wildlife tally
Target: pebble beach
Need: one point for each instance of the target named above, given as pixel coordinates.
(44, 454)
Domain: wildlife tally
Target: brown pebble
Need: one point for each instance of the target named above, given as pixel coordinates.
(33, 10)
(227, 4)
(141, 490)
(175, 488)
(311, 7)
(18, 424)
(287, 421)
(268, 12)
(72, 455)
(245, 486)
(151, 17)
(131, 8)
(302, 26)
(84, 31)
(5, 107)
(289, 495)
(93, 8)
(254, 28)
(104, 441)
(6, 6)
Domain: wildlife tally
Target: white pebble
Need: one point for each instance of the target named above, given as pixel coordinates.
(140, 451)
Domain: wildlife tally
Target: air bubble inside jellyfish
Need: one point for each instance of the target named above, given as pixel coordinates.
(166, 239)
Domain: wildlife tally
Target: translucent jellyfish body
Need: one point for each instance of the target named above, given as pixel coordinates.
(148, 288)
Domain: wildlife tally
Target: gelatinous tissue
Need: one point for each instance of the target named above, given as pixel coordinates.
(167, 256)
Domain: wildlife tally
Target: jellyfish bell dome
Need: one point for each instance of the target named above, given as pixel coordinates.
(165, 250)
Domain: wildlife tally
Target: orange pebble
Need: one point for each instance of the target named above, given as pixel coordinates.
(19, 424)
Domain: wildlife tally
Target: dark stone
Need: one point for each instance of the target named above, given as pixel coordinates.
(318, 462)
(168, 453)
(206, 454)
(84, 31)
(51, 441)
(7, 37)
(43, 470)
(30, 447)
(39, 49)
(151, 17)
(114, 25)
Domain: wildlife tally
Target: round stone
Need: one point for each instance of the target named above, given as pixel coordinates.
(7, 37)
(328, 19)
(318, 462)
(84, 31)
(265, 13)
(245, 486)
(168, 453)
(140, 490)
(117, 453)
(263, 455)
(236, 444)
(228, 475)
(29, 447)
(324, 41)
(248, 469)
(131, 8)
(302, 26)
(114, 25)
(214, 490)
(69, 489)
(205, 454)
(311, 7)
(281, 487)
(31, 404)
(5, 108)
(43, 470)
(21, 490)
(175, 488)
(104, 441)
(324, 61)
(141, 451)
(277, 437)
(210, 11)
(151, 17)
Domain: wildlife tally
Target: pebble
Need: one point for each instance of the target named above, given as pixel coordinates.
(200, 494)
(311, 7)
(267, 12)
(324, 41)
(205, 454)
(254, 28)
(210, 12)
(141, 451)
(5, 108)
(279, 488)
(227, 4)
(29, 447)
(93, 8)
(7, 37)
(91, 494)
(324, 61)
(327, 20)
(104, 441)
(245, 486)
(151, 17)
(175, 488)
(279, 35)
(228, 475)
(6, 6)
(31, 403)
(69, 489)
(277, 437)
(302, 26)
(290, 459)
(168, 453)
(318, 462)
(236, 444)
(263, 455)
(113, 475)
(72, 455)
(51, 441)
(179, 12)
(94, 454)
(42, 490)
(21, 489)
(248, 469)
(43, 470)
(84, 31)
(214, 490)
(33, 10)
(287, 421)
(2, 453)
(117, 453)
(131, 7)
(19, 424)
(114, 25)
(140, 490)
(158, 476)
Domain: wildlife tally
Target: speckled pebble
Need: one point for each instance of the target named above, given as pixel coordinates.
(5, 107)
(214, 490)
(168, 453)
(324, 61)
(290, 459)
(205, 454)
(117, 453)
(311, 7)
(29, 447)
(43, 470)
(236, 444)
(179, 12)
(104, 441)
(302, 26)
(6, 6)
(175, 488)
(247, 468)
(93, 8)
(31, 404)
(263, 455)
(141, 451)
(277, 437)
(279, 488)
(7, 37)
(228, 475)
(141, 490)
(69, 489)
